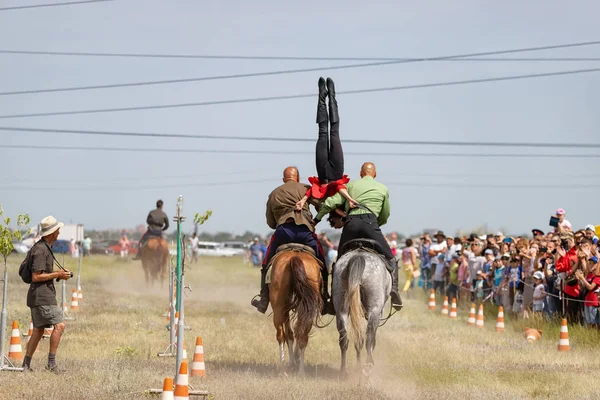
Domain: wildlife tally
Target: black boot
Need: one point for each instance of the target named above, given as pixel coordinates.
(395, 295)
(263, 303)
(321, 105)
(334, 115)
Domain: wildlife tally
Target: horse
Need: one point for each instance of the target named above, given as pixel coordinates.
(360, 290)
(155, 256)
(294, 294)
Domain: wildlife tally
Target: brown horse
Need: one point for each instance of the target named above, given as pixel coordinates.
(294, 296)
(155, 256)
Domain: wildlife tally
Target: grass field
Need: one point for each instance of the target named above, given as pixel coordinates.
(109, 351)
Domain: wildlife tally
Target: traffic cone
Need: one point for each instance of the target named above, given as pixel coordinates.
(30, 331)
(479, 323)
(167, 393)
(48, 332)
(198, 368)
(532, 334)
(181, 388)
(500, 320)
(64, 307)
(74, 302)
(453, 309)
(15, 351)
(471, 319)
(445, 306)
(431, 304)
(79, 293)
(563, 341)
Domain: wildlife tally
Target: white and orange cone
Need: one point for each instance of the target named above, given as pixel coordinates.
(79, 293)
(563, 341)
(532, 334)
(479, 322)
(431, 303)
(198, 367)
(167, 393)
(471, 319)
(181, 387)
(48, 332)
(500, 320)
(74, 301)
(452, 313)
(445, 306)
(64, 307)
(30, 331)
(15, 351)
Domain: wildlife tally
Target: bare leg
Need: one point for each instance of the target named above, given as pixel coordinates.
(32, 345)
(55, 337)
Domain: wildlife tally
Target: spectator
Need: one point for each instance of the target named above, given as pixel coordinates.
(437, 253)
(124, 245)
(263, 250)
(409, 262)
(567, 262)
(41, 297)
(453, 284)
(255, 253)
(194, 240)
(592, 283)
(394, 244)
(492, 245)
(247, 255)
(425, 261)
(476, 262)
(563, 224)
(327, 247)
(538, 293)
(87, 246)
(498, 273)
(590, 233)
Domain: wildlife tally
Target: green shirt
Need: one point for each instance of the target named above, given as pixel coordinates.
(366, 191)
(454, 274)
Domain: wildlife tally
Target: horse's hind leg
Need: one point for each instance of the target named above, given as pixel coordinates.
(279, 321)
(289, 334)
(342, 323)
(372, 324)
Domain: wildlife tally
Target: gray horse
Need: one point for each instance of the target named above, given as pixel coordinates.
(360, 289)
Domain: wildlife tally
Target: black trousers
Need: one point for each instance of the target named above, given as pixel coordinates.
(330, 157)
(364, 226)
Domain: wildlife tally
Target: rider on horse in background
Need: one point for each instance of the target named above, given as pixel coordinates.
(157, 222)
(291, 226)
(364, 221)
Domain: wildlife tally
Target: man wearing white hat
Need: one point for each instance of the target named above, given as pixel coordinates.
(41, 297)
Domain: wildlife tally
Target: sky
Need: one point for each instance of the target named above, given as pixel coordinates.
(116, 189)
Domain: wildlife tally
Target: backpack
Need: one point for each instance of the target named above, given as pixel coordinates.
(25, 271)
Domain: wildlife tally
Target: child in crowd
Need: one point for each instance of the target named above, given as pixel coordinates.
(479, 286)
(452, 291)
(539, 293)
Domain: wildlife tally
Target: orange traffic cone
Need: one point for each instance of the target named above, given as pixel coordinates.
(167, 393)
(181, 388)
(198, 368)
(74, 302)
(500, 320)
(471, 319)
(48, 332)
(15, 351)
(532, 334)
(431, 304)
(479, 323)
(79, 293)
(30, 331)
(452, 313)
(64, 307)
(563, 341)
(445, 306)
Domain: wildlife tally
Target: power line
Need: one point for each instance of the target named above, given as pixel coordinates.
(298, 96)
(295, 152)
(294, 58)
(267, 73)
(270, 139)
(68, 3)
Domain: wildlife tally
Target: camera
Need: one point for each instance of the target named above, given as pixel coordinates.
(564, 243)
(543, 249)
(553, 221)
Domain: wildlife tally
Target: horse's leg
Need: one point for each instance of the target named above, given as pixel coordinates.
(372, 324)
(342, 323)
(290, 341)
(279, 321)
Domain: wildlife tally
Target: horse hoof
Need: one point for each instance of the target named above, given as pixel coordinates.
(367, 369)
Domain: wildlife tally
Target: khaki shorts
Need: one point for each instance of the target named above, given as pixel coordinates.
(46, 316)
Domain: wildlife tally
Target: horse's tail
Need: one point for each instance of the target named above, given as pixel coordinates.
(352, 300)
(306, 300)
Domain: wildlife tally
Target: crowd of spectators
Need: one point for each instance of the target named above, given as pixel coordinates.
(549, 274)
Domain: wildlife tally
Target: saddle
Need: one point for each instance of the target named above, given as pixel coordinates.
(154, 233)
(296, 247)
(369, 245)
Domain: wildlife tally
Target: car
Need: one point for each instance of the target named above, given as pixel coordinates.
(100, 248)
(239, 248)
(214, 249)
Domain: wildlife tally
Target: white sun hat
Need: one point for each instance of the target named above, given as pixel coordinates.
(50, 225)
